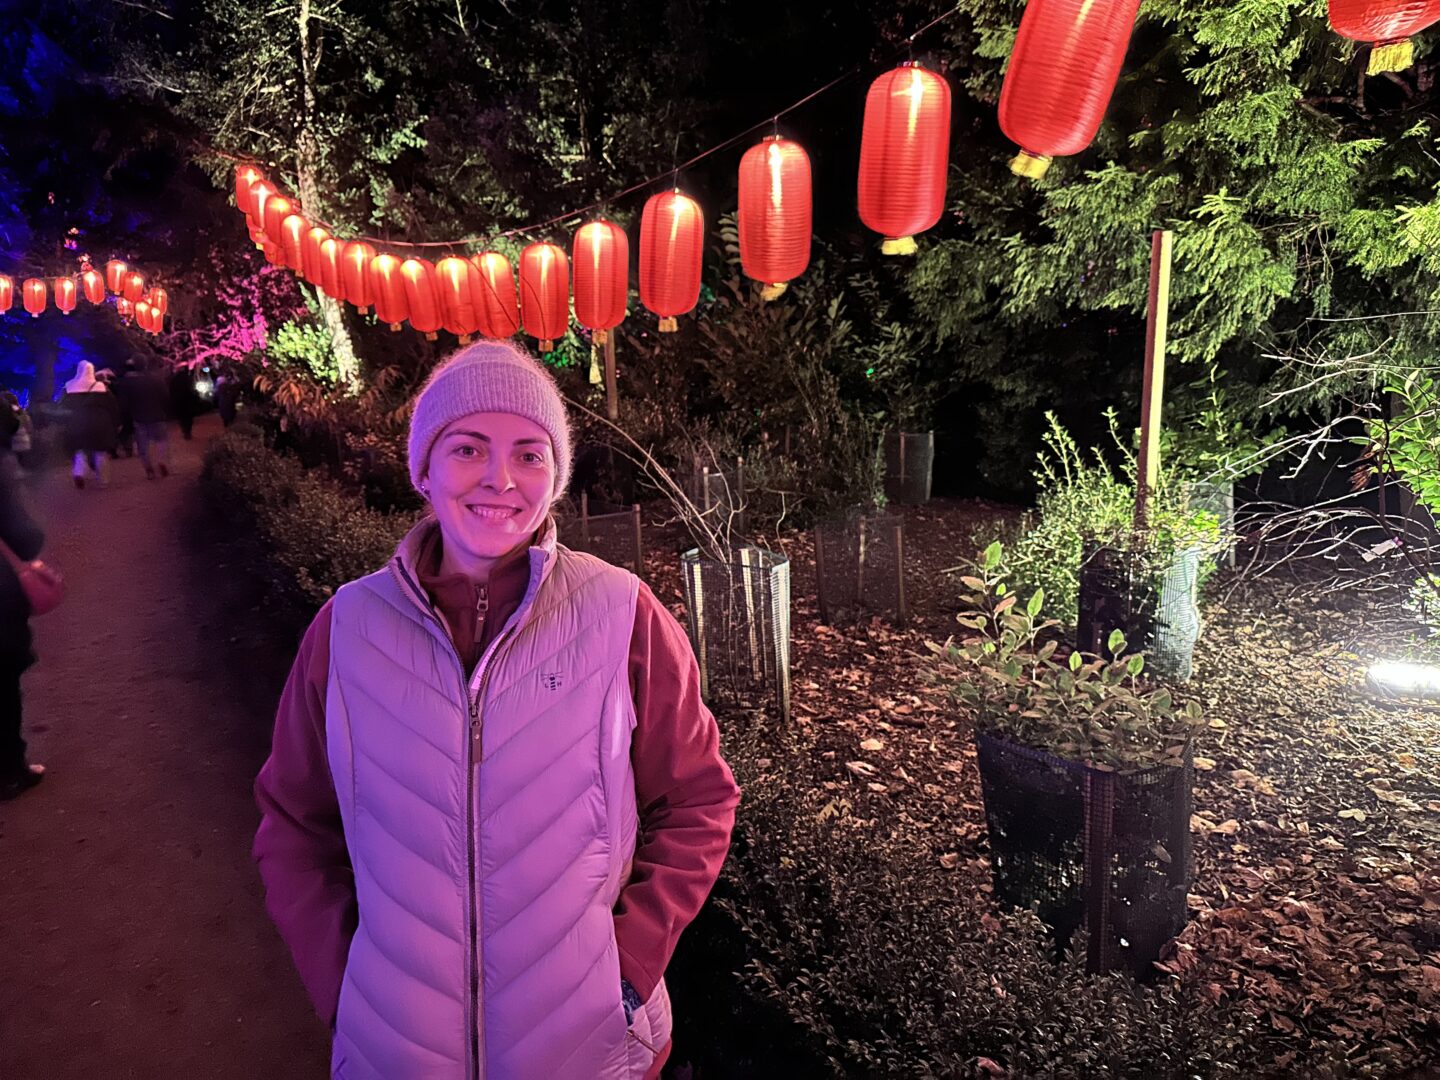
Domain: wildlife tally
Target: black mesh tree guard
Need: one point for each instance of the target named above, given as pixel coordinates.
(738, 610)
(1218, 497)
(1150, 597)
(615, 534)
(909, 466)
(1091, 849)
(860, 566)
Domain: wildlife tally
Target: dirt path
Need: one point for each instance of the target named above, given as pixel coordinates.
(133, 940)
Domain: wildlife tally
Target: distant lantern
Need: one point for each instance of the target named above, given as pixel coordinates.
(1062, 71)
(497, 308)
(457, 285)
(65, 294)
(92, 283)
(421, 302)
(33, 296)
(134, 288)
(545, 293)
(259, 195)
(312, 264)
(159, 300)
(245, 175)
(904, 155)
(277, 209)
(1387, 25)
(389, 286)
(7, 293)
(672, 249)
(115, 272)
(601, 265)
(330, 279)
(124, 308)
(143, 312)
(355, 279)
(774, 213)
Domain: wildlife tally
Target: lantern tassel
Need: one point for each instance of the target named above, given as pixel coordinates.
(774, 291)
(1031, 166)
(1390, 56)
(669, 325)
(898, 245)
(596, 379)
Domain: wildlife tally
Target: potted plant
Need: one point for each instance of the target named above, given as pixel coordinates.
(1086, 773)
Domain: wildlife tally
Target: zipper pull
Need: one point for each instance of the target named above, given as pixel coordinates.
(482, 605)
(475, 721)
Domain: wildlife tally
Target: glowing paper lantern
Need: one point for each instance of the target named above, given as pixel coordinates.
(545, 293)
(277, 209)
(258, 196)
(904, 155)
(124, 308)
(274, 253)
(457, 283)
(672, 243)
(245, 175)
(134, 287)
(292, 240)
(143, 312)
(7, 293)
(1062, 72)
(159, 300)
(389, 286)
(601, 265)
(33, 296)
(355, 259)
(93, 285)
(421, 300)
(65, 294)
(774, 213)
(330, 279)
(1387, 24)
(497, 306)
(312, 265)
(115, 272)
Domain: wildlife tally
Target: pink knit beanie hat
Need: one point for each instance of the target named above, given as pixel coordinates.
(489, 376)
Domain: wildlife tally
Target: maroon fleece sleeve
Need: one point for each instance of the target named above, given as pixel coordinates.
(300, 847)
(686, 793)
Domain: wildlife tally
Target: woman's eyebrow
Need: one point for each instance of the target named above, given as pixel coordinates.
(486, 438)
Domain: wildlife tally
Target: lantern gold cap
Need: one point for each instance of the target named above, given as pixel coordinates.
(669, 325)
(774, 291)
(1390, 56)
(1030, 165)
(898, 245)
(600, 337)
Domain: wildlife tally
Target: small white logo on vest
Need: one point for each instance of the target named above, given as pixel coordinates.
(552, 680)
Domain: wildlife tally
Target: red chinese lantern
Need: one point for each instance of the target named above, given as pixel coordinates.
(93, 285)
(7, 293)
(245, 175)
(312, 265)
(774, 213)
(292, 240)
(258, 196)
(274, 253)
(134, 287)
(65, 294)
(115, 272)
(124, 308)
(672, 243)
(1062, 72)
(1387, 24)
(143, 312)
(330, 278)
(904, 155)
(457, 284)
(545, 293)
(389, 286)
(159, 300)
(277, 209)
(355, 259)
(33, 296)
(601, 265)
(421, 300)
(497, 307)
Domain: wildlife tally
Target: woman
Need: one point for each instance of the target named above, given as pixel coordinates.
(494, 799)
(18, 530)
(92, 423)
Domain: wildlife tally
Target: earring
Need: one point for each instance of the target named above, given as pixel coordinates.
(425, 491)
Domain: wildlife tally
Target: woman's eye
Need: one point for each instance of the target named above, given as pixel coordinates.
(533, 458)
(466, 451)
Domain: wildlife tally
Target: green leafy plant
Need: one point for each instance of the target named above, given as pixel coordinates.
(1092, 709)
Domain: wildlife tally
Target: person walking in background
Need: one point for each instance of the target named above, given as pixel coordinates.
(184, 402)
(227, 398)
(148, 398)
(22, 535)
(10, 428)
(494, 798)
(92, 424)
(125, 441)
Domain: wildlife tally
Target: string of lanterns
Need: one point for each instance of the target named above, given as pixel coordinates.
(147, 307)
(1062, 73)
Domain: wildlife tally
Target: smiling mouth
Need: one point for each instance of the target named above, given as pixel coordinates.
(493, 513)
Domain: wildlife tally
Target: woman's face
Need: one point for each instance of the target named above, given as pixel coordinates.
(491, 477)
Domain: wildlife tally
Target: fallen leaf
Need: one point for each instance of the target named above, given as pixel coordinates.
(1204, 764)
(950, 860)
(1358, 816)
(872, 744)
(1228, 828)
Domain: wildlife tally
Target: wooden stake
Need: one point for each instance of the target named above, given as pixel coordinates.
(1157, 321)
(612, 392)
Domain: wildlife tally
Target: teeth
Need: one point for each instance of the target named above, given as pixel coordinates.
(487, 514)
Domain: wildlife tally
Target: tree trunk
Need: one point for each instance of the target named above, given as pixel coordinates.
(307, 162)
